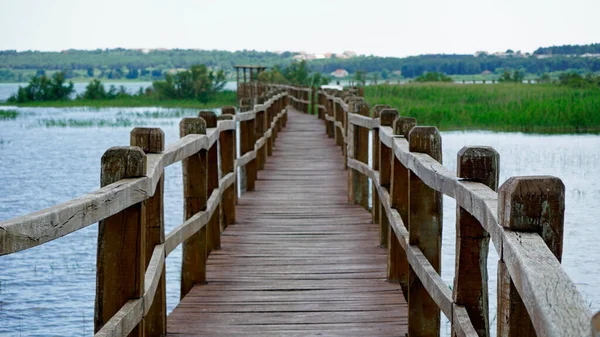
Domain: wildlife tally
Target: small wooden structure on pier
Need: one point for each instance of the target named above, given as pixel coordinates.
(302, 252)
(247, 85)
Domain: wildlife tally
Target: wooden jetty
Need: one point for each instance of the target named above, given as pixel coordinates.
(338, 232)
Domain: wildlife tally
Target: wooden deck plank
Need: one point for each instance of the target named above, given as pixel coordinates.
(300, 260)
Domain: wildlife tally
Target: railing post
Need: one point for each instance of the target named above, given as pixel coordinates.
(360, 182)
(399, 189)
(527, 204)
(330, 127)
(195, 173)
(152, 140)
(313, 101)
(261, 153)
(121, 257)
(425, 231)
(227, 153)
(376, 209)
(479, 164)
(212, 183)
(596, 325)
(273, 111)
(247, 142)
(339, 117)
(386, 118)
(230, 110)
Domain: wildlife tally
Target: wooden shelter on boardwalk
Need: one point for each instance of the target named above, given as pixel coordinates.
(247, 83)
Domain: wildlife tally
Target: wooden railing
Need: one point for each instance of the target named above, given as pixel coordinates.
(132, 245)
(523, 218)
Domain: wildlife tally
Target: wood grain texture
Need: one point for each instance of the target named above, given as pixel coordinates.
(425, 232)
(300, 260)
(195, 174)
(121, 258)
(152, 140)
(479, 164)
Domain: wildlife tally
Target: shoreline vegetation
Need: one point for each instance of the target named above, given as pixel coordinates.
(219, 100)
(197, 87)
(538, 108)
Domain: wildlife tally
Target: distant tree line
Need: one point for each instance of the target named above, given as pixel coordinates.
(593, 48)
(415, 66)
(152, 65)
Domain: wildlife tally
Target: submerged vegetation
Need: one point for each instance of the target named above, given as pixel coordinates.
(8, 114)
(502, 107)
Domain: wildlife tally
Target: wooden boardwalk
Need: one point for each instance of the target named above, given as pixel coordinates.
(300, 259)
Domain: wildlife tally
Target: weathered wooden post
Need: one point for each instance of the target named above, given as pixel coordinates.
(271, 140)
(399, 189)
(230, 110)
(195, 173)
(596, 325)
(261, 153)
(212, 183)
(360, 182)
(527, 204)
(386, 118)
(152, 140)
(313, 101)
(247, 142)
(306, 98)
(425, 231)
(121, 256)
(478, 164)
(227, 150)
(400, 201)
(339, 117)
(329, 128)
(375, 211)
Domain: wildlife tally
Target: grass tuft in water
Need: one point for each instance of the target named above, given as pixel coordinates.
(8, 114)
(94, 122)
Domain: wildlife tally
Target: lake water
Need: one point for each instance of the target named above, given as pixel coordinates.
(52, 155)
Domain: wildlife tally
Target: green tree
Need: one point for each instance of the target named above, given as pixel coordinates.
(94, 90)
(433, 77)
(196, 83)
(42, 88)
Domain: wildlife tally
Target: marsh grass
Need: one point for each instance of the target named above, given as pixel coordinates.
(500, 107)
(160, 114)
(94, 122)
(218, 100)
(8, 114)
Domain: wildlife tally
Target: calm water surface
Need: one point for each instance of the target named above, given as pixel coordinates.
(49, 290)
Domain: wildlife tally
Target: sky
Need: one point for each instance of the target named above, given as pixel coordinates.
(373, 27)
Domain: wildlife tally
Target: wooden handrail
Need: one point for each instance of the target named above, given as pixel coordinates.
(137, 190)
(542, 286)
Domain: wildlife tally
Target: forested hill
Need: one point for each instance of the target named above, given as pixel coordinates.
(136, 59)
(593, 48)
(137, 64)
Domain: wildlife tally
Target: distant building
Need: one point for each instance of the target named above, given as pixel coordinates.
(340, 73)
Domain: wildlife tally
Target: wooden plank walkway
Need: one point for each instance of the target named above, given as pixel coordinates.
(301, 260)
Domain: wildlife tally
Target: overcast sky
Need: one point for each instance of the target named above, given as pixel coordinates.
(386, 28)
